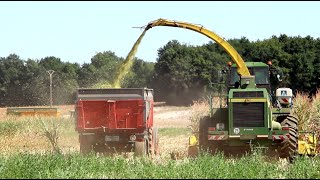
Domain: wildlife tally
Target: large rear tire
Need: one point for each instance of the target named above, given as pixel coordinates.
(289, 147)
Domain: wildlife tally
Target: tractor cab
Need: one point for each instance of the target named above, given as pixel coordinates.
(258, 69)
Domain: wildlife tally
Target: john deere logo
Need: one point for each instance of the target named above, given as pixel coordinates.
(236, 130)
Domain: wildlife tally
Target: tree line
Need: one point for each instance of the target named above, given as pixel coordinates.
(182, 73)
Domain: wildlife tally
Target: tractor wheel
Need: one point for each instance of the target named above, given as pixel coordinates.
(289, 147)
(291, 121)
(140, 148)
(86, 145)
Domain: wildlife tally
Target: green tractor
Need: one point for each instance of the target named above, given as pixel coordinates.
(252, 117)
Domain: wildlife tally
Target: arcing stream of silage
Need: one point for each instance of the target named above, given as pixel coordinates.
(126, 65)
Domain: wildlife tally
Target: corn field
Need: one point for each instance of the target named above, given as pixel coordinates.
(307, 109)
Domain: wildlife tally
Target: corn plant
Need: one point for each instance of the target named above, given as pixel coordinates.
(50, 129)
(303, 110)
(316, 111)
(199, 110)
(315, 122)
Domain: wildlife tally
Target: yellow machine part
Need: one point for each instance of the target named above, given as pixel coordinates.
(55, 114)
(304, 148)
(33, 111)
(308, 148)
(193, 140)
(312, 139)
(235, 56)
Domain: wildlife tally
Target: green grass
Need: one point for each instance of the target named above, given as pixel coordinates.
(209, 167)
(174, 131)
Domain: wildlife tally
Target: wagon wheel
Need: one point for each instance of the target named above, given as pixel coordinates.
(86, 145)
(140, 148)
(153, 142)
(156, 141)
(150, 142)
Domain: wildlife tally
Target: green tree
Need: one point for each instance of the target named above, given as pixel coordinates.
(140, 75)
(11, 80)
(182, 73)
(106, 64)
(64, 80)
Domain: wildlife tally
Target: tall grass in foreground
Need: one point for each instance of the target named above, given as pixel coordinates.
(205, 166)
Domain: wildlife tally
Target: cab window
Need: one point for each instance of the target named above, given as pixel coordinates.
(261, 74)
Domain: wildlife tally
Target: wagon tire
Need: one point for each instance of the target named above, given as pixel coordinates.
(86, 145)
(140, 148)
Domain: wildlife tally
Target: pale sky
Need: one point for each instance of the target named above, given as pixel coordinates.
(76, 31)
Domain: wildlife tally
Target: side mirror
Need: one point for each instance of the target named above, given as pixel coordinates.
(277, 72)
(278, 77)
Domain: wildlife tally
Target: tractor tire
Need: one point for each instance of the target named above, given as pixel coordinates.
(291, 121)
(289, 147)
(86, 145)
(140, 148)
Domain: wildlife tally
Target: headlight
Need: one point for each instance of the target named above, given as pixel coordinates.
(220, 126)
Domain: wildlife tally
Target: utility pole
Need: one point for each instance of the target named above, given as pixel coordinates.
(50, 73)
